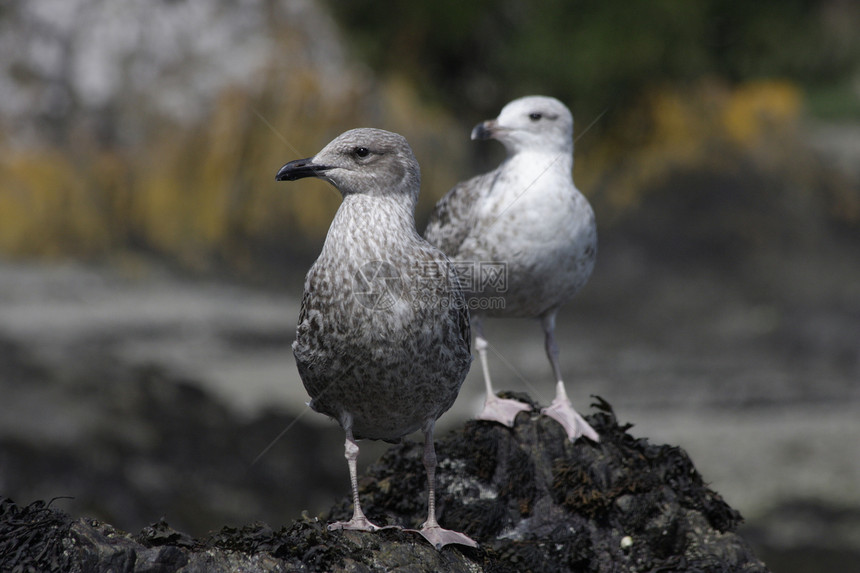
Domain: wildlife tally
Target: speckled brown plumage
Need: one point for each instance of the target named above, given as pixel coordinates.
(383, 343)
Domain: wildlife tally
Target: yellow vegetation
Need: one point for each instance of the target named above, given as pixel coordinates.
(759, 109)
(705, 125)
(207, 192)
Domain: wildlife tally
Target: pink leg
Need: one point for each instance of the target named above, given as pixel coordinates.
(430, 529)
(359, 521)
(561, 409)
(495, 409)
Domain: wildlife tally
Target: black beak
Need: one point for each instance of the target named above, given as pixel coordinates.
(484, 130)
(299, 169)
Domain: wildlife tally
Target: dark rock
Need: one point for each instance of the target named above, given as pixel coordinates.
(33, 538)
(129, 444)
(533, 500)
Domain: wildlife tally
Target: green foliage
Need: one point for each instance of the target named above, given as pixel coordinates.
(593, 54)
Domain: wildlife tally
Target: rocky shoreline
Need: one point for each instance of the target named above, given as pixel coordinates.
(532, 500)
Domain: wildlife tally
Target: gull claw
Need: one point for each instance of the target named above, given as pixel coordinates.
(502, 410)
(439, 537)
(358, 524)
(575, 425)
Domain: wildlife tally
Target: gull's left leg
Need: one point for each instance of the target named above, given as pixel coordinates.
(561, 410)
(430, 529)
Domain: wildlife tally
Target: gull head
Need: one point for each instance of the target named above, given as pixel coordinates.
(362, 161)
(533, 123)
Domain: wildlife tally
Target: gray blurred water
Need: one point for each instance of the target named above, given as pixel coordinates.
(762, 395)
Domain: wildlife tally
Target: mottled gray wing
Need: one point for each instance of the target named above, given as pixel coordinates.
(458, 309)
(453, 218)
(303, 311)
(464, 323)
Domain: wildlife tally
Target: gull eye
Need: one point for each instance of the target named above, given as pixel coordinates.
(535, 116)
(361, 151)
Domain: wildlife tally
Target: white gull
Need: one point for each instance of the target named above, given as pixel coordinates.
(528, 219)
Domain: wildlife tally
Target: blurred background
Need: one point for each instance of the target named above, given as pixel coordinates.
(151, 268)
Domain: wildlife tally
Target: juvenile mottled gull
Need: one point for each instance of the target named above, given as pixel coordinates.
(383, 343)
(528, 217)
